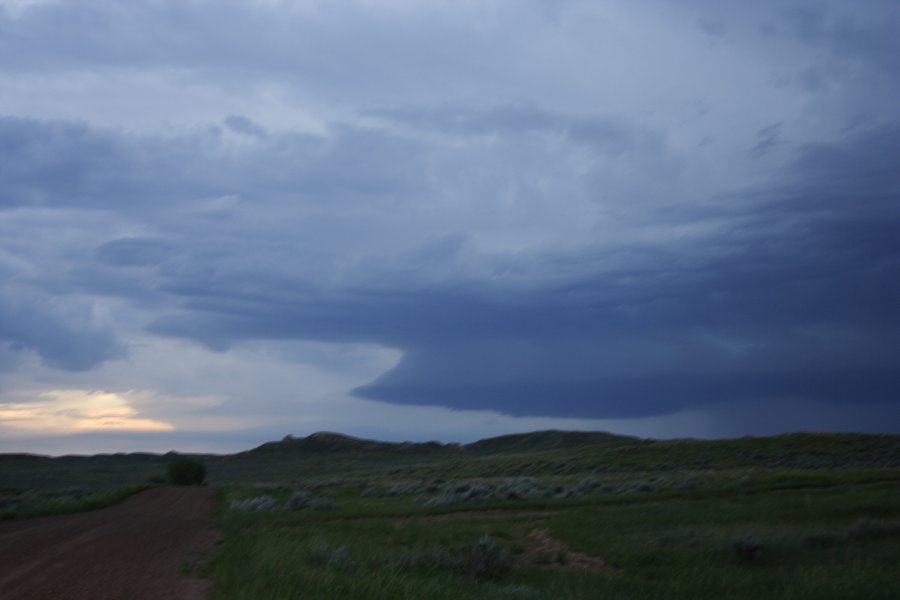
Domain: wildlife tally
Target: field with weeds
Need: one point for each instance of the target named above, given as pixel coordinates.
(34, 486)
(800, 516)
(18, 504)
(541, 515)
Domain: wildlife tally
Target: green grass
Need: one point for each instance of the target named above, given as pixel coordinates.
(44, 503)
(792, 516)
(536, 454)
(835, 536)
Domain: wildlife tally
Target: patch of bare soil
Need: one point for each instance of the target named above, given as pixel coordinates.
(136, 550)
(542, 550)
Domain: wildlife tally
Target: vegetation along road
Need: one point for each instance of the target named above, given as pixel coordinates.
(137, 549)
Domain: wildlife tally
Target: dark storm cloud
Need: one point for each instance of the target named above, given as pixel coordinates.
(245, 126)
(799, 298)
(133, 253)
(869, 38)
(796, 295)
(527, 216)
(853, 48)
(63, 338)
(66, 164)
(711, 27)
(767, 138)
(335, 48)
(613, 135)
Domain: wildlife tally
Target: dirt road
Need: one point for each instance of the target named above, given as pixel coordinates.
(132, 551)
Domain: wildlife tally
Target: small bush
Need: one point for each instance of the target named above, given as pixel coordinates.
(426, 558)
(322, 553)
(819, 540)
(256, 503)
(870, 529)
(746, 548)
(186, 471)
(514, 591)
(299, 500)
(862, 530)
(305, 500)
(485, 559)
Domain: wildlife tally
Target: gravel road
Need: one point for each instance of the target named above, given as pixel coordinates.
(135, 550)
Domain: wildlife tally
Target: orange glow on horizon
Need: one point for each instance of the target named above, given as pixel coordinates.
(77, 411)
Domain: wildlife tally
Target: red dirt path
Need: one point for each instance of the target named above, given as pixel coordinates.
(132, 551)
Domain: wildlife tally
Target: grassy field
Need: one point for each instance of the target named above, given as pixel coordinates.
(23, 504)
(835, 542)
(545, 515)
(800, 516)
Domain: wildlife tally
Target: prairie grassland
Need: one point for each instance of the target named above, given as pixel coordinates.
(543, 515)
(44, 502)
(685, 522)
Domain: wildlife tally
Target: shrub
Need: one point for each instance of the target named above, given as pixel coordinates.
(257, 503)
(321, 553)
(426, 558)
(485, 559)
(515, 591)
(304, 499)
(186, 471)
(746, 548)
(299, 500)
(872, 529)
(819, 540)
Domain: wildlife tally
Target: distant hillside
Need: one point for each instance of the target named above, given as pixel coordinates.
(328, 442)
(539, 453)
(545, 440)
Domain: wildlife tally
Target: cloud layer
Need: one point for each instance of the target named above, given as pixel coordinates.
(552, 209)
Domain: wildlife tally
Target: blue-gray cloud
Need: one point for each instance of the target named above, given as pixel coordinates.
(799, 298)
(548, 214)
(133, 253)
(869, 39)
(796, 296)
(246, 126)
(602, 134)
(63, 338)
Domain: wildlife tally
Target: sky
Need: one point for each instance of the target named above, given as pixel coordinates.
(226, 221)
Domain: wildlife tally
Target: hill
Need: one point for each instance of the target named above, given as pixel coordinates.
(328, 454)
(551, 439)
(330, 442)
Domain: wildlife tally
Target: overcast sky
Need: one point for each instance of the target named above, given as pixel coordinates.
(225, 221)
